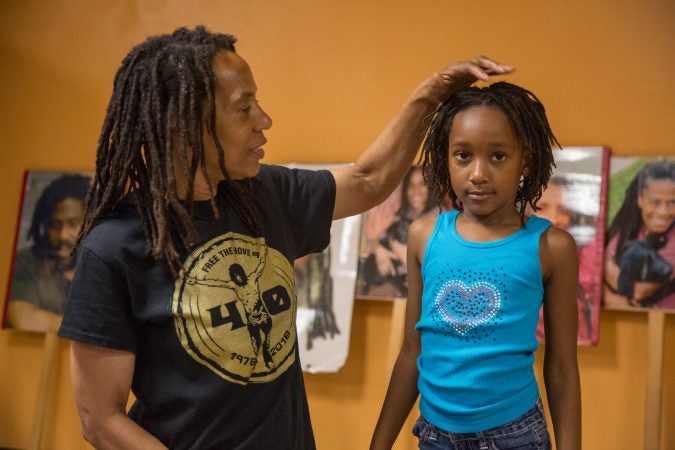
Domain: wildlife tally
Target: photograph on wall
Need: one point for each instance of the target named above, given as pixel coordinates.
(640, 241)
(51, 211)
(574, 200)
(325, 289)
(382, 270)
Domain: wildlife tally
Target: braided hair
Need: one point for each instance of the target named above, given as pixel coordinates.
(526, 115)
(163, 97)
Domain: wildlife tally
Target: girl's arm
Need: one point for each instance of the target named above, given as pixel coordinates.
(402, 391)
(560, 267)
(101, 380)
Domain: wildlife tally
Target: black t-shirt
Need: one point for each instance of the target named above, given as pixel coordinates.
(217, 362)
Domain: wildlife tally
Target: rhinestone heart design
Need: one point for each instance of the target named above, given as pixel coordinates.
(465, 307)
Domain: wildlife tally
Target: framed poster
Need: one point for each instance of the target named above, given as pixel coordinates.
(574, 200)
(382, 272)
(51, 212)
(325, 289)
(640, 243)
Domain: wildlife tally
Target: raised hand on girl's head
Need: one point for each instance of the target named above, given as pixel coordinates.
(461, 74)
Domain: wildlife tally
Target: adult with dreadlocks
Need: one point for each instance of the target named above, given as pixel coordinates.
(640, 245)
(184, 290)
(477, 276)
(42, 272)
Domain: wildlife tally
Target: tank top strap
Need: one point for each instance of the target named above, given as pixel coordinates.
(537, 225)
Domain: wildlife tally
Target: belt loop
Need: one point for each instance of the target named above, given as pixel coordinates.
(482, 442)
(433, 433)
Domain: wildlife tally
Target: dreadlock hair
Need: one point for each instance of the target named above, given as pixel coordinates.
(62, 188)
(163, 97)
(527, 117)
(628, 219)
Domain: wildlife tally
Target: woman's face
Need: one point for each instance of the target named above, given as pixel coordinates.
(240, 121)
(417, 191)
(657, 203)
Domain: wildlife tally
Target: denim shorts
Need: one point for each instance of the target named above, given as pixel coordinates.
(528, 432)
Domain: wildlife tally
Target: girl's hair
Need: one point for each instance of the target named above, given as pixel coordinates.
(526, 115)
(406, 208)
(163, 97)
(628, 220)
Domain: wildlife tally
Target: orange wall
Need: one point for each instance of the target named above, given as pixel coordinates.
(331, 73)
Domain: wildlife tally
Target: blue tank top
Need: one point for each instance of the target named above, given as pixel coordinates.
(480, 307)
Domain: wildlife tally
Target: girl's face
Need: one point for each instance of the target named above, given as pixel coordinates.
(485, 162)
(657, 203)
(417, 191)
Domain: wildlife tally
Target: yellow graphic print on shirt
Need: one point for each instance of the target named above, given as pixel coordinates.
(234, 309)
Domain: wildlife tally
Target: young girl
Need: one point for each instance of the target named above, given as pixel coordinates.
(477, 278)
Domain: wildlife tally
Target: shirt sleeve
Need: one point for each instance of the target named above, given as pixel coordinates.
(310, 199)
(98, 309)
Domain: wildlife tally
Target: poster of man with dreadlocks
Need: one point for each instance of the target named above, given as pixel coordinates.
(184, 291)
(43, 266)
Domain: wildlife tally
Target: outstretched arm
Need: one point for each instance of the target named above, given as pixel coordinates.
(402, 391)
(381, 167)
(101, 380)
(561, 372)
